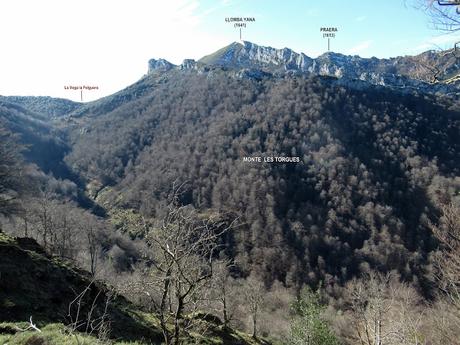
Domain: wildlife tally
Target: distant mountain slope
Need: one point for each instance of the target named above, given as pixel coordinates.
(106, 104)
(45, 145)
(47, 106)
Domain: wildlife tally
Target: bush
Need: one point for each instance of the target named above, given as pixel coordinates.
(308, 327)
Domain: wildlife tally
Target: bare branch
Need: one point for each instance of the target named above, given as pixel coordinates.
(31, 326)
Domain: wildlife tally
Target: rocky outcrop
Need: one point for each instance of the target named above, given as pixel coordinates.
(160, 65)
(188, 64)
(430, 71)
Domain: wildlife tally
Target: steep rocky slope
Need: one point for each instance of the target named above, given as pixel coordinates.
(430, 71)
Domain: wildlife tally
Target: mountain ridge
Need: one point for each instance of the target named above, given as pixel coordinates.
(429, 71)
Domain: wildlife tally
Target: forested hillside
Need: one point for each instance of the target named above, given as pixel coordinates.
(149, 191)
(371, 165)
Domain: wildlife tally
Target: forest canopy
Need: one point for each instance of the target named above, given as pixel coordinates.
(373, 164)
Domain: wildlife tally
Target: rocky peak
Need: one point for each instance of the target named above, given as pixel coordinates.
(188, 64)
(250, 59)
(245, 54)
(160, 65)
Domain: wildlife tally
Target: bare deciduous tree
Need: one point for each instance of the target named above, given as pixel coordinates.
(91, 228)
(445, 17)
(43, 210)
(183, 246)
(370, 304)
(385, 311)
(11, 180)
(222, 286)
(254, 292)
(447, 262)
(88, 313)
(444, 14)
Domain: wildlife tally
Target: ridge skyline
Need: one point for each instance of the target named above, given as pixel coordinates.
(430, 71)
(331, 52)
(244, 54)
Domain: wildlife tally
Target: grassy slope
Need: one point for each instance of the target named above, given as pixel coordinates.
(217, 56)
(35, 284)
(57, 334)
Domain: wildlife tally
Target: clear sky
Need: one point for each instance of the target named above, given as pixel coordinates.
(49, 44)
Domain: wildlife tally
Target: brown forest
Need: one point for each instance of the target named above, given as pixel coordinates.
(355, 244)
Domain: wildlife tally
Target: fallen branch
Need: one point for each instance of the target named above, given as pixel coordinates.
(31, 326)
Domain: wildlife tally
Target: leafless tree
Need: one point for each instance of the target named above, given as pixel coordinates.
(88, 313)
(91, 228)
(370, 305)
(447, 231)
(183, 246)
(444, 323)
(11, 180)
(43, 211)
(56, 225)
(254, 292)
(64, 230)
(385, 311)
(444, 14)
(223, 286)
(406, 317)
(447, 262)
(445, 17)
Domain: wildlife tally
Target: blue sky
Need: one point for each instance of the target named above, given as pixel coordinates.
(49, 44)
(369, 28)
